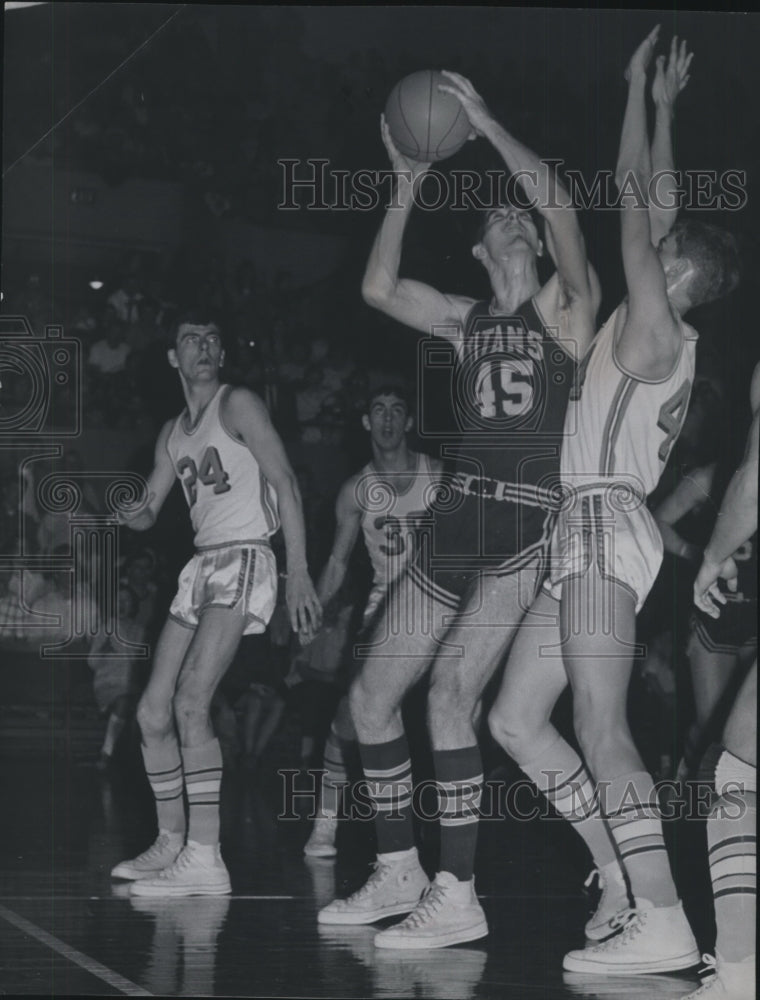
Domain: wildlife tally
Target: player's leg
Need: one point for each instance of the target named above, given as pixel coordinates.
(711, 667)
(520, 722)
(321, 843)
(731, 841)
(398, 652)
(199, 868)
(475, 644)
(598, 624)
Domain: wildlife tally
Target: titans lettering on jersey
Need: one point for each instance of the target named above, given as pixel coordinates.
(230, 500)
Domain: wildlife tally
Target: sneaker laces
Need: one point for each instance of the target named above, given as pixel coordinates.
(380, 870)
(429, 905)
(156, 849)
(183, 861)
(711, 970)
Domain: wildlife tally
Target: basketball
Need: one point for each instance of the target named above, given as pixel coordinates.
(425, 123)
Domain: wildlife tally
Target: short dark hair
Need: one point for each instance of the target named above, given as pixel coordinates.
(390, 389)
(714, 254)
(194, 316)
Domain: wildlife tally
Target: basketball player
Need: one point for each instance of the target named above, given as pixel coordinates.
(385, 500)
(732, 824)
(239, 486)
(462, 598)
(625, 413)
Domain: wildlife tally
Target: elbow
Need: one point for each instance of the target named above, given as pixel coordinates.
(375, 294)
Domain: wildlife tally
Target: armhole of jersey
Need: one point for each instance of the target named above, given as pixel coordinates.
(170, 435)
(682, 327)
(223, 397)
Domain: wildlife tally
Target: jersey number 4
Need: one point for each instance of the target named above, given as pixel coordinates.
(671, 416)
(210, 473)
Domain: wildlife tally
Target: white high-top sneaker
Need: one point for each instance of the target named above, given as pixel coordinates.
(654, 939)
(730, 980)
(449, 913)
(612, 902)
(161, 853)
(394, 887)
(198, 871)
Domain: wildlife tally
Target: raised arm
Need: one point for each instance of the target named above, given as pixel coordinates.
(160, 482)
(737, 520)
(247, 416)
(669, 81)
(575, 288)
(410, 302)
(651, 338)
(348, 517)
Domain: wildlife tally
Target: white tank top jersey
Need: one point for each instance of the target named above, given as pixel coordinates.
(618, 426)
(390, 516)
(230, 500)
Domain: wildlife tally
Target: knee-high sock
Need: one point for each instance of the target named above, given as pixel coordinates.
(163, 765)
(334, 779)
(732, 847)
(388, 772)
(203, 780)
(459, 775)
(633, 813)
(559, 773)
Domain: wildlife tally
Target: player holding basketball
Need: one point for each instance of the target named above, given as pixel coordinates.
(625, 413)
(385, 500)
(732, 824)
(239, 486)
(459, 605)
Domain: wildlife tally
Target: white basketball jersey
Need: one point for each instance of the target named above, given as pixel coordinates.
(229, 498)
(390, 516)
(620, 427)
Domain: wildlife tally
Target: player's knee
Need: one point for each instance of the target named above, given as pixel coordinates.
(510, 730)
(191, 709)
(448, 696)
(154, 720)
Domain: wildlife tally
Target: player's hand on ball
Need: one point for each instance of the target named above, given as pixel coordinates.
(399, 162)
(708, 596)
(641, 58)
(670, 80)
(474, 106)
(303, 606)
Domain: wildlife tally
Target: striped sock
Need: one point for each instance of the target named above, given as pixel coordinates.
(732, 848)
(633, 813)
(559, 773)
(459, 775)
(203, 779)
(334, 779)
(388, 772)
(163, 767)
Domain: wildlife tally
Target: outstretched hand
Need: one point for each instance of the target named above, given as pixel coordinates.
(642, 57)
(474, 106)
(670, 80)
(399, 162)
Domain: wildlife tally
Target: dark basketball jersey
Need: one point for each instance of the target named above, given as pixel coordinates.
(510, 394)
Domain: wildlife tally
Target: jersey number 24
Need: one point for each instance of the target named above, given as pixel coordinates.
(210, 473)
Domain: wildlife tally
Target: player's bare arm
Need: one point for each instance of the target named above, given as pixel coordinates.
(246, 416)
(413, 303)
(692, 490)
(160, 482)
(737, 521)
(650, 339)
(670, 78)
(348, 517)
(572, 299)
